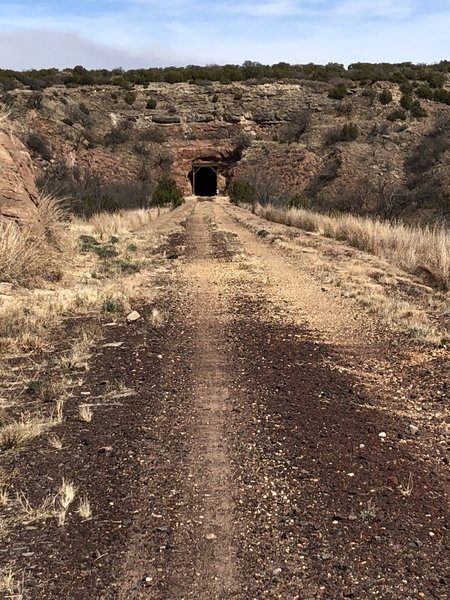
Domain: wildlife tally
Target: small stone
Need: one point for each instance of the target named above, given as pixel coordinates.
(382, 435)
(211, 536)
(133, 316)
(413, 429)
(276, 571)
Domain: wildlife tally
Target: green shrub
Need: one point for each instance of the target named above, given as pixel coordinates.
(425, 92)
(129, 267)
(151, 104)
(263, 233)
(167, 192)
(339, 92)
(442, 96)
(407, 102)
(88, 242)
(348, 133)
(397, 115)
(112, 305)
(130, 98)
(241, 190)
(417, 111)
(299, 201)
(385, 97)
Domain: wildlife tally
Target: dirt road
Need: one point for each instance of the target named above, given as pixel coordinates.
(266, 452)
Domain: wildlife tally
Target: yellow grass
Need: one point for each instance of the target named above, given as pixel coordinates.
(84, 508)
(418, 250)
(18, 433)
(85, 413)
(123, 221)
(26, 256)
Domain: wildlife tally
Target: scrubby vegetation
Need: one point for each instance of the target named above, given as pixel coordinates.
(167, 193)
(433, 76)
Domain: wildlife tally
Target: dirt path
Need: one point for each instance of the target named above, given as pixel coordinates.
(264, 452)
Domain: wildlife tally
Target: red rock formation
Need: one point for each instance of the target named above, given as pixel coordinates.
(18, 195)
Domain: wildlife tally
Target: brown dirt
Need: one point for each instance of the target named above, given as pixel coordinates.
(249, 463)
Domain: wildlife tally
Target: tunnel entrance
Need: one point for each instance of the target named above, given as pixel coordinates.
(203, 178)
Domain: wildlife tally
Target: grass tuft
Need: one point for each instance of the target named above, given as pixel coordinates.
(85, 413)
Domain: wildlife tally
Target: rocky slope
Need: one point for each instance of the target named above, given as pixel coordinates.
(393, 162)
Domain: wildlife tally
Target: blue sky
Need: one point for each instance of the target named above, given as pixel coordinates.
(136, 33)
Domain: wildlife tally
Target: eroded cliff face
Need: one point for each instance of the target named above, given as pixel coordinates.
(116, 136)
(18, 194)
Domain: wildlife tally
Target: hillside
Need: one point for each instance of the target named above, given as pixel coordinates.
(343, 144)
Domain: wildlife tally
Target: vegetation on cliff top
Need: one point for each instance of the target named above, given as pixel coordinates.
(433, 76)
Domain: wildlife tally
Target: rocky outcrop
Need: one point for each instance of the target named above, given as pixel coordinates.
(289, 131)
(18, 194)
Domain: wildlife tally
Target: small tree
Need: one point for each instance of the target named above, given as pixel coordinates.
(130, 98)
(241, 190)
(407, 102)
(385, 97)
(151, 104)
(339, 92)
(348, 133)
(167, 192)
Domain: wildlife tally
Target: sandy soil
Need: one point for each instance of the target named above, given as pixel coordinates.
(266, 450)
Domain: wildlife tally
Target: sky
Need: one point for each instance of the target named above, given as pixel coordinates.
(144, 33)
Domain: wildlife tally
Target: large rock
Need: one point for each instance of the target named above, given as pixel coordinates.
(18, 195)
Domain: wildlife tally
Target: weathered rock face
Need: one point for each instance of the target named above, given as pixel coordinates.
(290, 132)
(18, 195)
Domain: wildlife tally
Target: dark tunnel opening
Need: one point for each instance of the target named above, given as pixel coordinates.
(204, 181)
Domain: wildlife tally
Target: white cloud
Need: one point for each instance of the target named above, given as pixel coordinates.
(48, 48)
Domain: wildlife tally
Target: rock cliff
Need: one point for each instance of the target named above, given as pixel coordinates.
(294, 130)
(18, 194)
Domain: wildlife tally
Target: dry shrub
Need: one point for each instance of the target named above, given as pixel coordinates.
(419, 250)
(25, 256)
(21, 254)
(18, 433)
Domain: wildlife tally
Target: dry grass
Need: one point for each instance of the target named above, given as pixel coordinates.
(28, 514)
(157, 318)
(6, 124)
(27, 258)
(55, 442)
(12, 584)
(124, 221)
(84, 508)
(22, 255)
(18, 433)
(80, 351)
(85, 413)
(66, 493)
(115, 392)
(58, 411)
(418, 250)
